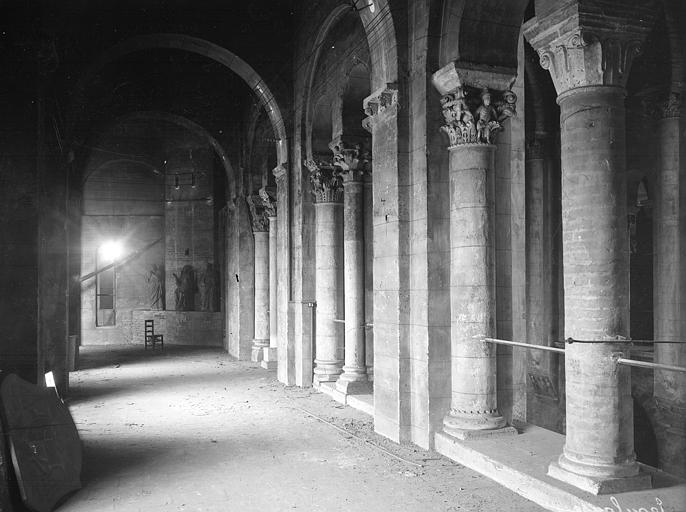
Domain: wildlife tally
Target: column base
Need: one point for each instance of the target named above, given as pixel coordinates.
(269, 358)
(327, 371)
(596, 485)
(353, 383)
(464, 426)
(257, 350)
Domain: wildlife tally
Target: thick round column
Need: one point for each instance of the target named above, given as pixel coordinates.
(354, 377)
(261, 339)
(474, 408)
(670, 387)
(328, 290)
(270, 352)
(599, 445)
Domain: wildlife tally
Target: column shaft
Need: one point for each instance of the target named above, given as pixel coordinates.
(354, 377)
(472, 292)
(541, 406)
(328, 288)
(670, 387)
(270, 353)
(261, 339)
(599, 445)
(369, 276)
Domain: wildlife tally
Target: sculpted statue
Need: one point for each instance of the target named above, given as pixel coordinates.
(186, 287)
(207, 288)
(486, 118)
(155, 280)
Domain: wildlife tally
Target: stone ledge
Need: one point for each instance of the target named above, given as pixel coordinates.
(363, 403)
(521, 463)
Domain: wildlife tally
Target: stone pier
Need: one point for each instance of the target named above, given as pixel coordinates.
(670, 387)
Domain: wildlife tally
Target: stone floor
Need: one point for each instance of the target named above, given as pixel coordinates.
(191, 430)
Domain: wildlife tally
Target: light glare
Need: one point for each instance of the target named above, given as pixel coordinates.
(111, 250)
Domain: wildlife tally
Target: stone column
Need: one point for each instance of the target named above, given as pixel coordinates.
(261, 235)
(589, 70)
(269, 360)
(473, 409)
(328, 192)
(369, 275)
(354, 378)
(541, 366)
(670, 387)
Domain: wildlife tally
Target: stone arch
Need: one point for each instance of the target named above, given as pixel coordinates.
(206, 49)
(481, 32)
(380, 30)
(194, 128)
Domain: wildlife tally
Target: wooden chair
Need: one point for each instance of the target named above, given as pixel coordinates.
(150, 336)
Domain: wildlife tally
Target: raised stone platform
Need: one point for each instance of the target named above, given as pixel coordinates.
(521, 464)
(364, 403)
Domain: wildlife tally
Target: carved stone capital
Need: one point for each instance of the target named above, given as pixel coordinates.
(352, 162)
(327, 184)
(258, 214)
(268, 198)
(280, 172)
(671, 107)
(586, 44)
(378, 102)
(478, 120)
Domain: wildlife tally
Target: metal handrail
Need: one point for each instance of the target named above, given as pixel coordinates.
(618, 359)
(524, 345)
(647, 364)
(622, 341)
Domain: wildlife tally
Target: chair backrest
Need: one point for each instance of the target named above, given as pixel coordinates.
(149, 327)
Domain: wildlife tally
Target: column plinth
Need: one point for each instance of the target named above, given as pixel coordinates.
(261, 339)
(474, 409)
(270, 353)
(354, 378)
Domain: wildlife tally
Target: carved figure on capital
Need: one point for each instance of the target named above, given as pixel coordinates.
(258, 215)
(464, 127)
(268, 201)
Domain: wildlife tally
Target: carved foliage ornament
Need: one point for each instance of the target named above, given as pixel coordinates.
(327, 183)
(258, 213)
(583, 57)
(351, 160)
(465, 124)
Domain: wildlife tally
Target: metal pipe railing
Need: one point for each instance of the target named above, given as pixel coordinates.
(618, 360)
(647, 364)
(623, 341)
(524, 345)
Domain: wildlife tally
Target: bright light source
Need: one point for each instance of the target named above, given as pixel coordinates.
(372, 7)
(111, 250)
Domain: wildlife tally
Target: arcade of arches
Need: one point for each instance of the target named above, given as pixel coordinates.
(361, 196)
